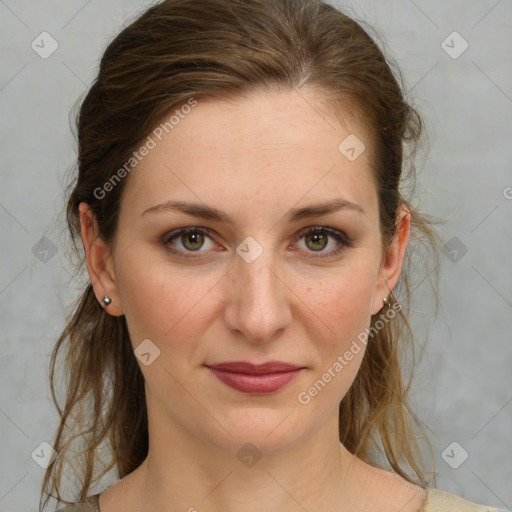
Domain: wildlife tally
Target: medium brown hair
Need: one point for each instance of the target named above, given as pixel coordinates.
(179, 49)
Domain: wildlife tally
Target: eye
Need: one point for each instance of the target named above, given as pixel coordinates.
(316, 238)
(192, 239)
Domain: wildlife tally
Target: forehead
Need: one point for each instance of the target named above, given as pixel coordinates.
(270, 147)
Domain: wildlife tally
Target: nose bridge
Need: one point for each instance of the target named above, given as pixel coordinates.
(259, 306)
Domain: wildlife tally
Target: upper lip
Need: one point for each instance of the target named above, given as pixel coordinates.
(246, 367)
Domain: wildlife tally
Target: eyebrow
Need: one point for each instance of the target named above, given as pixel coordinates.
(207, 212)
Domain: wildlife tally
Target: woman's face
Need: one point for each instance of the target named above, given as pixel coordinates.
(251, 286)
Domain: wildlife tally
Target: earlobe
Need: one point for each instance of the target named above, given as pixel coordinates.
(99, 263)
(391, 266)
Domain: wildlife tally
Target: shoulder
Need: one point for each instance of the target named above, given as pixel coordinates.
(438, 500)
(90, 504)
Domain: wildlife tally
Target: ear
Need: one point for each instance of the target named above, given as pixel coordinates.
(99, 261)
(391, 265)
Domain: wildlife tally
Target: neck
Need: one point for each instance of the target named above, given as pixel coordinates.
(195, 473)
(186, 473)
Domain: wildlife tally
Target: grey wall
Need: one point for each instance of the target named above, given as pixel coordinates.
(463, 386)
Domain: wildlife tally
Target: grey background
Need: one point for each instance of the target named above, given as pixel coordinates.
(463, 386)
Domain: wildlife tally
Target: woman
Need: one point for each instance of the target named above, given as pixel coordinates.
(241, 206)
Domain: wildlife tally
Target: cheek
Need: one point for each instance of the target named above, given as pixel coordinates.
(162, 303)
(343, 302)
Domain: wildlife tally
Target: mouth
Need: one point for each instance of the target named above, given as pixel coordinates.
(255, 379)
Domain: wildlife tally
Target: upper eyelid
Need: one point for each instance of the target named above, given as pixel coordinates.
(330, 231)
(209, 231)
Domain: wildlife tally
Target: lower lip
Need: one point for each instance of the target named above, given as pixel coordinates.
(251, 383)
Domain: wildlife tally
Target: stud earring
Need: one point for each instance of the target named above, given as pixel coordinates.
(386, 301)
(106, 300)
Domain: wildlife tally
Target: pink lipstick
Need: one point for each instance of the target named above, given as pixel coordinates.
(251, 378)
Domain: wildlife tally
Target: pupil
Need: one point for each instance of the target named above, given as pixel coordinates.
(316, 237)
(196, 240)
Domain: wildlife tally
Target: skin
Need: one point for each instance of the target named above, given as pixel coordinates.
(254, 157)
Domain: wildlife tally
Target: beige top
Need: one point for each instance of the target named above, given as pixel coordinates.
(436, 501)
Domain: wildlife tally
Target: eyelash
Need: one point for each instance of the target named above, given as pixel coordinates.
(338, 235)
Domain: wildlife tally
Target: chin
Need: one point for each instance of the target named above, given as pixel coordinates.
(267, 429)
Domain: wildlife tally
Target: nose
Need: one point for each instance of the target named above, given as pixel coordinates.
(258, 304)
